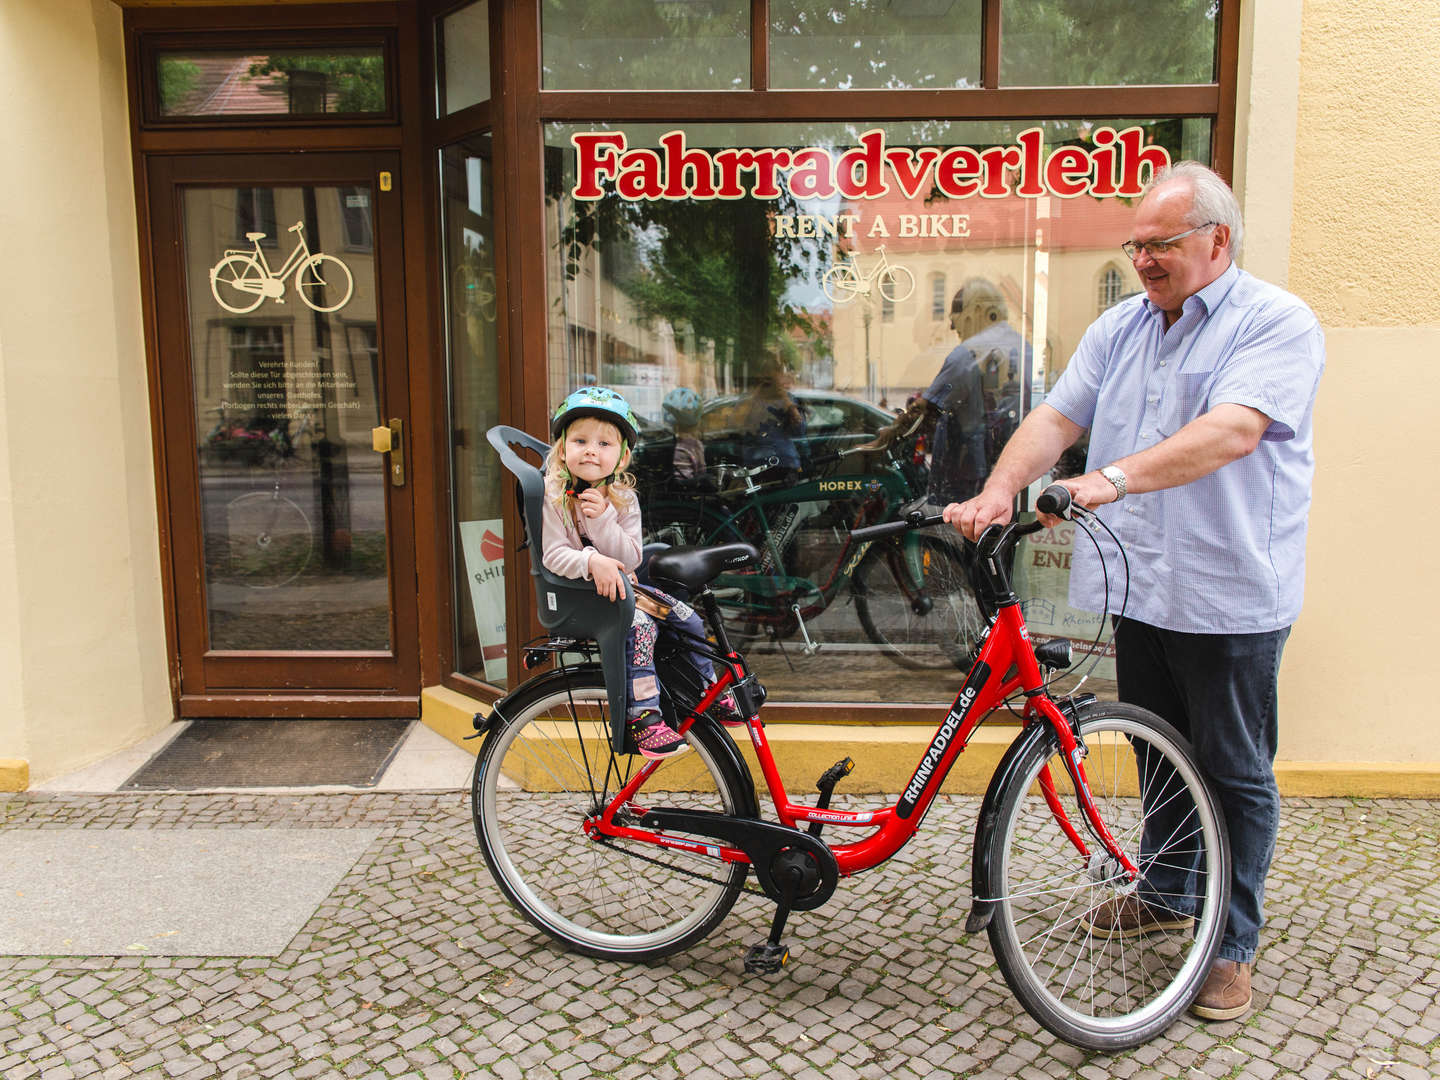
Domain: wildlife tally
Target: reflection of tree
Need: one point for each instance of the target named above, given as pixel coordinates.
(178, 77)
(1107, 43)
(712, 266)
(353, 82)
(672, 45)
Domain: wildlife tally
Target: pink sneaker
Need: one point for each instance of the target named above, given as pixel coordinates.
(655, 738)
(727, 712)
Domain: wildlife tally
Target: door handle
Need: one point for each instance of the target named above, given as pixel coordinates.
(391, 440)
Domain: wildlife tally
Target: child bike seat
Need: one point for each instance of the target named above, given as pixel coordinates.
(569, 607)
(694, 568)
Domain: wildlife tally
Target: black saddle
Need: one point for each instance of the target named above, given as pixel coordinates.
(692, 568)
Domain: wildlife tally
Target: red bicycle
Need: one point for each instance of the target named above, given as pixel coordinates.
(625, 858)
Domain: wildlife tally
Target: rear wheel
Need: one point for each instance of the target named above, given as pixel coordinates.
(1081, 980)
(543, 773)
(914, 600)
(840, 284)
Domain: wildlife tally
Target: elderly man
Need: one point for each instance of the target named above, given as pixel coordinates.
(1198, 398)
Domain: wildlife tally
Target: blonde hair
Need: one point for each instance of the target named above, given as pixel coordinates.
(557, 476)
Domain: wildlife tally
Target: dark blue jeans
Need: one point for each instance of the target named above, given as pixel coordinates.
(1220, 691)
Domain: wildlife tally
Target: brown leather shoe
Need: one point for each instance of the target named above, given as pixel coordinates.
(1226, 993)
(1129, 916)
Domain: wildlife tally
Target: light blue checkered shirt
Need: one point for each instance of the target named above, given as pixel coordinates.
(1224, 554)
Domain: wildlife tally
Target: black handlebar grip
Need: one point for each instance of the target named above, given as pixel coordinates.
(916, 519)
(875, 532)
(1055, 500)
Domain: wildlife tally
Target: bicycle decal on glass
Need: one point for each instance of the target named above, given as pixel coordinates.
(241, 280)
(844, 281)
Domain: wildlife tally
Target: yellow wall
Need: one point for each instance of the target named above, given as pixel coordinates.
(82, 647)
(1352, 219)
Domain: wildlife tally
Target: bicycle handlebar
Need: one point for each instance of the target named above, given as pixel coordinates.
(1055, 500)
(916, 519)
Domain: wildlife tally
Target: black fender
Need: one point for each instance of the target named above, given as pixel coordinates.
(1006, 773)
(717, 738)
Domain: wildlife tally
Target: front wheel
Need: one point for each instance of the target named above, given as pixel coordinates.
(549, 768)
(1076, 974)
(914, 600)
(323, 276)
(896, 283)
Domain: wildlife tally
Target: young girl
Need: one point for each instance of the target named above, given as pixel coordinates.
(591, 530)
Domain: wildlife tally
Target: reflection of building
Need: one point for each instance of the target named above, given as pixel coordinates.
(101, 545)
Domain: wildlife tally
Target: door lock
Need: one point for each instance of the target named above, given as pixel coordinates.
(391, 440)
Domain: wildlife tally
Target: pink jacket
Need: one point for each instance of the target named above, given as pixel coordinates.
(616, 534)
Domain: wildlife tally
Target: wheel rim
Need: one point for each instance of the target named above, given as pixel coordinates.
(589, 893)
(1112, 987)
(267, 541)
(225, 284)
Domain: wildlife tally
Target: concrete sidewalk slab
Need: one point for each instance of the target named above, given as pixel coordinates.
(167, 892)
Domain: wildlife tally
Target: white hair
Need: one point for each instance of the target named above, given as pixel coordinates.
(1211, 199)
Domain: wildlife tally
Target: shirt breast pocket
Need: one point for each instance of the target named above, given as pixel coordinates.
(1186, 398)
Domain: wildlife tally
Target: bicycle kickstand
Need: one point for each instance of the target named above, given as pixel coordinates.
(811, 648)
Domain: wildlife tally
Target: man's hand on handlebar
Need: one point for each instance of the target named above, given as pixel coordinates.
(973, 516)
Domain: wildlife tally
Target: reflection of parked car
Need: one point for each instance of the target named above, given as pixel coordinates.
(833, 422)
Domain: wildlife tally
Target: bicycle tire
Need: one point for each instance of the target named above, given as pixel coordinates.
(1092, 988)
(319, 272)
(615, 899)
(896, 283)
(886, 598)
(232, 271)
(268, 540)
(840, 284)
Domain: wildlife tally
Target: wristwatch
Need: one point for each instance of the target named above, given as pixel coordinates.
(1116, 477)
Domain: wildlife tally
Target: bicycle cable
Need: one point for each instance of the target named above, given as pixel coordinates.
(1089, 519)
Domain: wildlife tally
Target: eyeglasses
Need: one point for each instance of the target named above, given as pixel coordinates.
(1156, 248)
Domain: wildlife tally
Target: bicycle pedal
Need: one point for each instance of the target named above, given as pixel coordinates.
(766, 959)
(835, 774)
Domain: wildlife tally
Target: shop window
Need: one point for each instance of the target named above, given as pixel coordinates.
(764, 267)
(645, 45)
(1076, 43)
(471, 307)
(905, 44)
(462, 49)
(299, 82)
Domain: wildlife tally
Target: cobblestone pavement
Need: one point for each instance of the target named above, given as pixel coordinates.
(415, 966)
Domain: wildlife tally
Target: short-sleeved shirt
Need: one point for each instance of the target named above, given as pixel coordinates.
(1224, 553)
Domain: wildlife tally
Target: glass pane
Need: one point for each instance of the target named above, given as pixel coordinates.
(874, 44)
(286, 355)
(806, 299)
(474, 366)
(1075, 43)
(645, 44)
(463, 47)
(293, 82)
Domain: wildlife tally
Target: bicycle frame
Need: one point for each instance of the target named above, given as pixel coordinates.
(760, 589)
(296, 258)
(986, 687)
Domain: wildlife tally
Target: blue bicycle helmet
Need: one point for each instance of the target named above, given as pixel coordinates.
(681, 407)
(600, 402)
